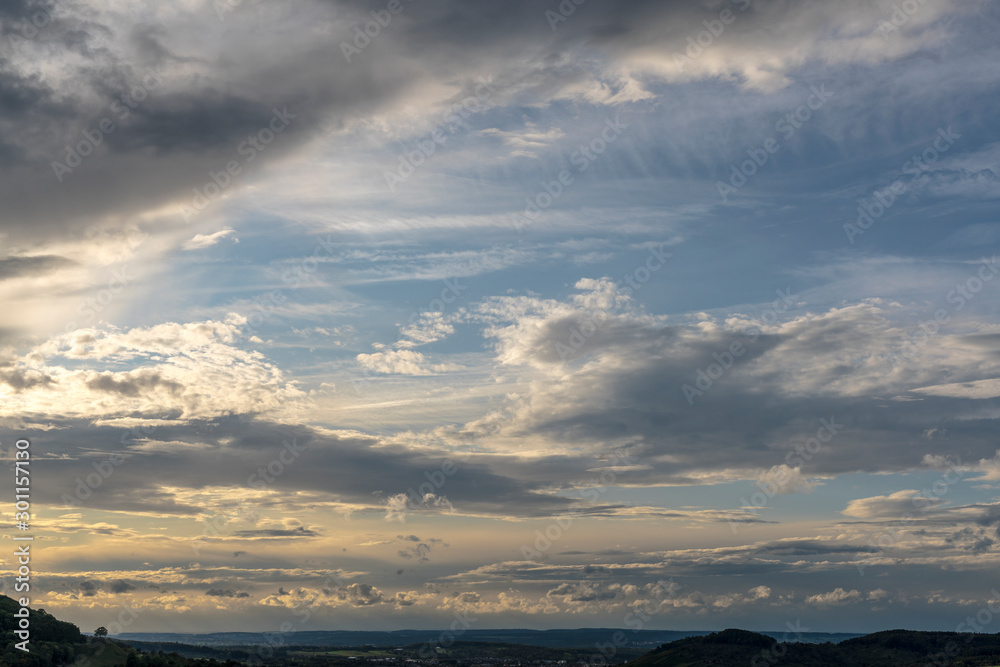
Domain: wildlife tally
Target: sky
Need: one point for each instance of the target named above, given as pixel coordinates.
(406, 313)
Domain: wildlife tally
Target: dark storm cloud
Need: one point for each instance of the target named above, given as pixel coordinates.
(360, 594)
(582, 592)
(18, 267)
(991, 518)
(30, 105)
(212, 89)
(181, 127)
(301, 531)
(763, 409)
(120, 586)
(19, 379)
(14, 10)
(348, 469)
(134, 384)
(421, 550)
(226, 593)
(813, 548)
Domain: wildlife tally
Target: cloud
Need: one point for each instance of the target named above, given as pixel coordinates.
(192, 370)
(173, 409)
(420, 550)
(900, 504)
(199, 241)
(596, 366)
(583, 592)
(202, 98)
(360, 595)
(301, 531)
(781, 479)
(838, 596)
(121, 586)
(428, 328)
(402, 362)
(132, 384)
(400, 505)
(24, 378)
(989, 467)
(18, 267)
(524, 141)
(226, 593)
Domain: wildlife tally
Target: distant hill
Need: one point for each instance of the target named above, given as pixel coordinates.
(57, 643)
(577, 638)
(892, 648)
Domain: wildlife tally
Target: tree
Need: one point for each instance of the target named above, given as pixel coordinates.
(101, 632)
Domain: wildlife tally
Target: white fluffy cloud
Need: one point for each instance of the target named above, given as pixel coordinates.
(179, 371)
(402, 362)
(199, 241)
(837, 596)
(905, 503)
(782, 479)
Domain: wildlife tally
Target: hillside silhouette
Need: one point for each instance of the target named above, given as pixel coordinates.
(891, 648)
(54, 642)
